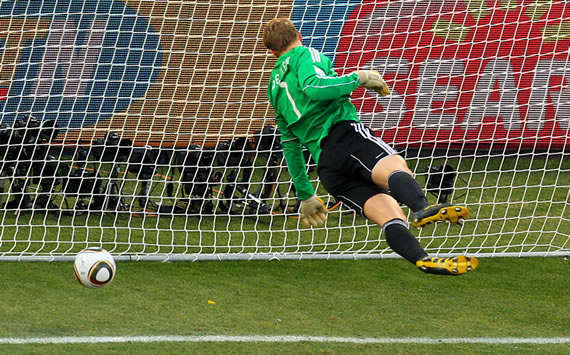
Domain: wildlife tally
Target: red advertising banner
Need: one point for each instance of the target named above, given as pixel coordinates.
(464, 74)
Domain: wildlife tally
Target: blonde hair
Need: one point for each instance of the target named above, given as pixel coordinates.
(279, 33)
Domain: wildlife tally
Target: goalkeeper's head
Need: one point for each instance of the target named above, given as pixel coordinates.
(280, 35)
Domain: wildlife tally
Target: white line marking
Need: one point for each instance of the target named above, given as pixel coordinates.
(277, 339)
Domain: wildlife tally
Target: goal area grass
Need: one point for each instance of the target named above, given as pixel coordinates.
(505, 298)
(518, 204)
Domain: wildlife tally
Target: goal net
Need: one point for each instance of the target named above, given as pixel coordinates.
(143, 126)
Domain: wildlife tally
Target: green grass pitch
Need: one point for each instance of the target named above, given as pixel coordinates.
(514, 202)
(518, 204)
(505, 297)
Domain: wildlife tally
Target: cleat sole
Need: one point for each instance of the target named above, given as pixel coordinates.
(454, 266)
(446, 213)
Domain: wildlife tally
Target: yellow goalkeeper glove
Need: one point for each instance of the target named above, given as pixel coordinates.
(371, 79)
(313, 211)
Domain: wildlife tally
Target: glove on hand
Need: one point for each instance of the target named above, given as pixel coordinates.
(313, 211)
(371, 79)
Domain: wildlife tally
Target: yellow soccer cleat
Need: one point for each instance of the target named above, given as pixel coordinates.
(457, 265)
(440, 213)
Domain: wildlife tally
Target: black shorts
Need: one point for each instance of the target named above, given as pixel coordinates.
(349, 153)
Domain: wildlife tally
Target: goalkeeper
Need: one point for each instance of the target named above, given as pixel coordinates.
(313, 109)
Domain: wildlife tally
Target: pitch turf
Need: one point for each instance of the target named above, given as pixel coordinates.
(505, 297)
(518, 204)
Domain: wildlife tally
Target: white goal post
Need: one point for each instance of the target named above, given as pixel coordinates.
(143, 127)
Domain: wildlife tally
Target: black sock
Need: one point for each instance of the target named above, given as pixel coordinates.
(405, 189)
(402, 241)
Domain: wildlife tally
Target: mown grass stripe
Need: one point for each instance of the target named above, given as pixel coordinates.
(278, 339)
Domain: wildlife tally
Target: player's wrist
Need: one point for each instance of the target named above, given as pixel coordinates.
(366, 75)
(305, 194)
(371, 79)
(313, 197)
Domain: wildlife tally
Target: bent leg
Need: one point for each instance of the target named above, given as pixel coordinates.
(386, 212)
(382, 208)
(386, 166)
(392, 173)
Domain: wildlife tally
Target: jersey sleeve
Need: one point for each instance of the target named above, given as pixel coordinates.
(293, 152)
(319, 81)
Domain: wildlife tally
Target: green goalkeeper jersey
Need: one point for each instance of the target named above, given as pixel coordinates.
(308, 97)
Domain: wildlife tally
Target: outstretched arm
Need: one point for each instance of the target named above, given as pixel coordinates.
(293, 152)
(312, 210)
(320, 82)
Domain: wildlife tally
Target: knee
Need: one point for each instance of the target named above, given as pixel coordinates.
(399, 163)
(385, 167)
(382, 208)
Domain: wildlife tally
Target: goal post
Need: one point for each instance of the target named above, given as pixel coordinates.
(143, 126)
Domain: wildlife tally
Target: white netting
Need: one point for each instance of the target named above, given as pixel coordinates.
(143, 126)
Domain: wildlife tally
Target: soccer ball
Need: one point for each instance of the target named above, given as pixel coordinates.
(94, 267)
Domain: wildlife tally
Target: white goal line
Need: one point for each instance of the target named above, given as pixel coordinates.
(277, 339)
